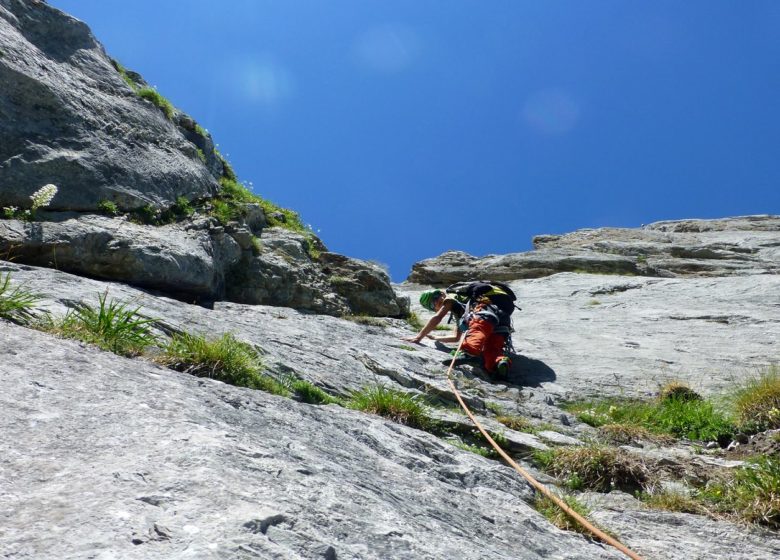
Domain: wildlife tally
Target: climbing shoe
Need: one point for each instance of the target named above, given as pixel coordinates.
(461, 358)
(502, 367)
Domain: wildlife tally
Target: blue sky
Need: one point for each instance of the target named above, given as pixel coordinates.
(402, 129)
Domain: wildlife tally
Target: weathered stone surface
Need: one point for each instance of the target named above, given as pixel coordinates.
(365, 286)
(726, 247)
(119, 458)
(167, 258)
(68, 118)
(283, 273)
(82, 410)
(587, 335)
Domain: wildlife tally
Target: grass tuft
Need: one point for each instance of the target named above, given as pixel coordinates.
(366, 320)
(678, 391)
(16, 305)
(752, 492)
(697, 420)
(112, 326)
(151, 94)
(668, 500)
(557, 516)
(226, 359)
(757, 403)
(594, 467)
(517, 423)
(311, 394)
(626, 434)
(414, 321)
(396, 405)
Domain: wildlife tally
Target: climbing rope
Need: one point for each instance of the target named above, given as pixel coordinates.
(532, 481)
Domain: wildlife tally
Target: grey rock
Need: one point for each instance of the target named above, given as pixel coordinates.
(93, 433)
(68, 118)
(365, 286)
(732, 246)
(707, 332)
(70, 409)
(167, 258)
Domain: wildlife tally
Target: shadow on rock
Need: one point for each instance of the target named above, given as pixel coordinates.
(527, 372)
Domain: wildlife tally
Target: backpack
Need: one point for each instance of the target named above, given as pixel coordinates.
(473, 291)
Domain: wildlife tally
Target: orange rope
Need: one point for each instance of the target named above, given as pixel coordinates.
(535, 483)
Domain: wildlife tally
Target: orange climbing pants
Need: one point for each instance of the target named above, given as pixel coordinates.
(481, 340)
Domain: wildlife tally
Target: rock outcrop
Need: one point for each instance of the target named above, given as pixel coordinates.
(71, 116)
(733, 246)
(68, 117)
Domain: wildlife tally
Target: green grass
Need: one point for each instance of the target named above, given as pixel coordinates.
(697, 420)
(366, 320)
(517, 423)
(757, 402)
(674, 501)
(484, 451)
(752, 492)
(16, 305)
(407, 348)
(414, 321)
(594, 467)
(391, 403)
(226, 359)
(201, 155)
(307, 392)
(112, 326)
(123, 73)
(108, 208)
(557, 516)
(627, 434)
(151, 94)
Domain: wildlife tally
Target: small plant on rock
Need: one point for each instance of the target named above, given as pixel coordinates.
(226, 359)
(112, 326)
(16, 305)
(394, 404)
(108, 208)
(517, 423)
(557, 516)
(752, 492)
(39, 199)
(678, 391)
(594, 467)
(311, 394)
(151, 94)
(757, 403)
(414, 321)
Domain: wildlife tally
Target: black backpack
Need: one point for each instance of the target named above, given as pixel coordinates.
(473, 291)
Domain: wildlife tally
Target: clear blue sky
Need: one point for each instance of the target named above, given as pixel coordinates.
(401, 129)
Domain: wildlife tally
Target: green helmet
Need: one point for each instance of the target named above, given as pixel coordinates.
(428, 298)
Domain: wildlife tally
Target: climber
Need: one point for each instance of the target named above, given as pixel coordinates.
(481, 309)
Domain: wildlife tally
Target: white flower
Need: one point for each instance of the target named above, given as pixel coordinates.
(43, 196)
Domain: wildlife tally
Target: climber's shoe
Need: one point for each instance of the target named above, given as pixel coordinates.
(461, 358)
(502, 367)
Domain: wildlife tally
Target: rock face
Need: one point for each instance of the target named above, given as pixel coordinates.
(733, 246)
(300, 481)
(67, 117)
